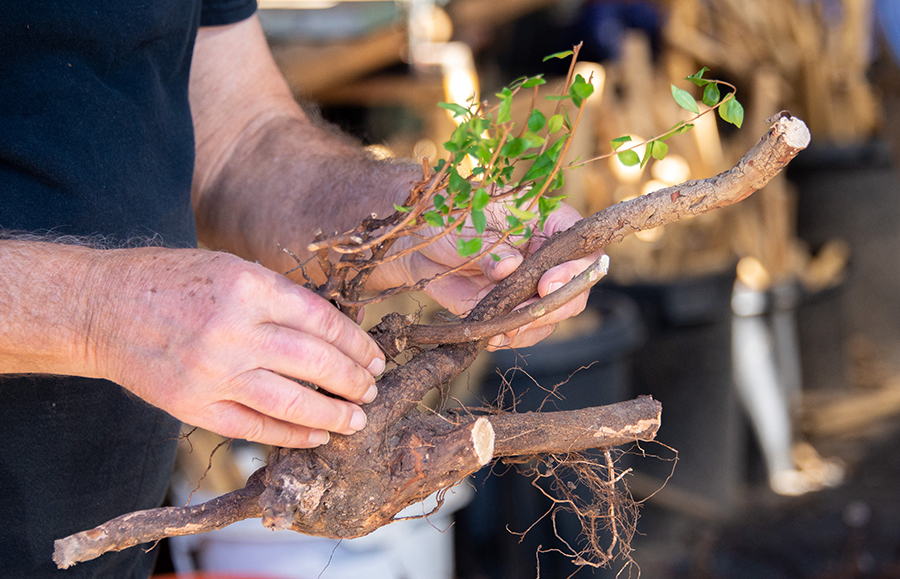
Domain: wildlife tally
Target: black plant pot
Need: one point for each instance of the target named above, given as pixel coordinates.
(686, 364)
(853, 193)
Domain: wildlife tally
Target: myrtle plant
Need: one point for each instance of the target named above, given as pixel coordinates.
(492, 142)
(493, 159)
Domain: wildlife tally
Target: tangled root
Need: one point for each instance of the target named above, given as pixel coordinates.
(590, 488)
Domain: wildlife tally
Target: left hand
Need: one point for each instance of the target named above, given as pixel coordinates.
(460, 291)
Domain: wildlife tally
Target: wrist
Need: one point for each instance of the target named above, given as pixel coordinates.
(46, 310)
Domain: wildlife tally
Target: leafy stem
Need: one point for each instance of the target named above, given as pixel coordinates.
(730, 110)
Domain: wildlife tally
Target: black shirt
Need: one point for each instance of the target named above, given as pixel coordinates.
(95, 139)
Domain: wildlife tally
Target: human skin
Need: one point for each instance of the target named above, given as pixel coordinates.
(214, 338)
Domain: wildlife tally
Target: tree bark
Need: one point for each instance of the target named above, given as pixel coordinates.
(356, 484)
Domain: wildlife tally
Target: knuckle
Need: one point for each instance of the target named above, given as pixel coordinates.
(297, 409)
(253, 428)
(230, 420)
(245, 283)
(297, 438)
(322, 364)
(334, 372)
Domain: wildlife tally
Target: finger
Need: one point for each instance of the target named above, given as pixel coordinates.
(507, 260)
(537, 330)
(531, 336)
(555, 277)
(282, 399)
(459, 294)
(303, 356)
(306, 312)
(233, 420)
(572, 308)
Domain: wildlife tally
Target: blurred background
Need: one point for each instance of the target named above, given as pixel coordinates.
(770, 331)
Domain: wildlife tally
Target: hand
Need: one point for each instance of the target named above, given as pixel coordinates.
(461, 291)
(216, 341)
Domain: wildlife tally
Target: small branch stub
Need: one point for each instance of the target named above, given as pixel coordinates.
(483, 440)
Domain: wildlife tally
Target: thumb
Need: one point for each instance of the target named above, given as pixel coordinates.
(500, 263)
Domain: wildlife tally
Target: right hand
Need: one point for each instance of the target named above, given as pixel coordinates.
(215, 340)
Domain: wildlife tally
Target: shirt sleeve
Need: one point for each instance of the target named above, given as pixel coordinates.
(221, 12)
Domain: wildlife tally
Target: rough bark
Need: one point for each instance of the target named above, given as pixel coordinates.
(354, 485)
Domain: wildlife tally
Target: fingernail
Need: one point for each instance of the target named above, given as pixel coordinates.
(503, 257)
(500, 341)
(319, 437)
(375, 368)
(554, 286)
(370, 394)
(358, 420)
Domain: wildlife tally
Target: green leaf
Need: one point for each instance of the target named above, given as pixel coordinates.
(547, 205)
(514, 224)
(660, 150)
(581, 89)
(685, 100)
(484, 155)
(684, 128)
(495, 257)
(534, 81)
(439, 201)
(544, 164)
(521, 214)
(697, 78)
(558, 181)
(648, 150)
(732, 111)
(458, 184)
(504, 115)
(560, 55)
(458, 138)
(514, 148)
(518, 81)
(479, 221)
(457, 110)
(558, 97)
(555, 123)
(711, 94)
(433, 218)
(536, 121)
(616, 143)
(533, 140)
(629, 158)
(401, 209)
(470, 247)
(480, 200)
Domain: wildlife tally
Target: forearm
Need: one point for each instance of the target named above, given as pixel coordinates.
(288, 179)
(265, 173)
(45, 309)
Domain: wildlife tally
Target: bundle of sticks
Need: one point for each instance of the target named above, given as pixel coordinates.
(818, 51)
